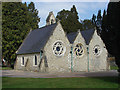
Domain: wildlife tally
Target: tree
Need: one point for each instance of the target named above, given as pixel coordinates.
(99, 22)
(104, 36)
(99, 17)
(16, 23)
(94, 19)
(74, 12)
(69, 20)
(104, 20)
(87, 24)
(33, 13)
(110, 32)
(104, 25)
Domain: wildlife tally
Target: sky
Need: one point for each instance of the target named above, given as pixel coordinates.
(85, 9)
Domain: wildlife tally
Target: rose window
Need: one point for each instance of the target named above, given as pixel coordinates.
(96, 50)
(79, 50)
(58, 48)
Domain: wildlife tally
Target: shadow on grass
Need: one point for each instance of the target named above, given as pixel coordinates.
(114, 81)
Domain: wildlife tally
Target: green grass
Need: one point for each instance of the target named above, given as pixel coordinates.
(6, 68)
(80, 82)
(113, 67)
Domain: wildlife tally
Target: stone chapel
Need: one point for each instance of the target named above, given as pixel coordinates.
(50, 49)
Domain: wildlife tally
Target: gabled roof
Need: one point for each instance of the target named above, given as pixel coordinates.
(36, 39)
(71, 36)
(87, 35)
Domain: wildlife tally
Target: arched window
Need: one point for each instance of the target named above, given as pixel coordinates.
(35, 60)
(52, 21)
(22, 61)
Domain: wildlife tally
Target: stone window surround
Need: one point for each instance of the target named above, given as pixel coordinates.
(22, 61)
(64, 50)
(34, 60)
(99, 51)
(75, 51)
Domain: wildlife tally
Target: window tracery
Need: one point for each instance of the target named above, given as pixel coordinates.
(79, 50)
(96, 50)
(58, 48)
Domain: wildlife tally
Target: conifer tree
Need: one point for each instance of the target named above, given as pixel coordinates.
(16, 23)
(104, 25)
(69, 20)
(94, 19)
(74, 11)
(87, 24)
(111, 30)
(99, 17)
(33, 14)
(99, 22)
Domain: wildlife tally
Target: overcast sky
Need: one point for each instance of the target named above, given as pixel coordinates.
(85, 9)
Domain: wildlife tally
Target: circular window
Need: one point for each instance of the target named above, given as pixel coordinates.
(58, 48)
(79, 50)
(96, 50)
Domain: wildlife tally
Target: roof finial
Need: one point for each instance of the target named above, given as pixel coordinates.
(78, 30)
(51, 12)
(50, 19)
(95, 28)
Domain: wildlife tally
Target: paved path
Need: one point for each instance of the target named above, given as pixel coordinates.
(15, 73)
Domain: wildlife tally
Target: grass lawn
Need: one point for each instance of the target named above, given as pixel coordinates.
(80, 82)
(113, 67)
(6, 68)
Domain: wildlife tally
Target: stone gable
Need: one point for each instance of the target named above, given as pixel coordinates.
(97, 58)
(57, 63)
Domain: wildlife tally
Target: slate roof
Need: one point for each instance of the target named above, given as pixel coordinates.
(87, 35)
(36, 39)
(71, 36)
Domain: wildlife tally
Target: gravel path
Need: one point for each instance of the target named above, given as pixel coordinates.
(16, 73)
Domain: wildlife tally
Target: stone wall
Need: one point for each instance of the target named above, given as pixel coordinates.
(97, 63)
(57, 63)
(80, 62)
(29, 62)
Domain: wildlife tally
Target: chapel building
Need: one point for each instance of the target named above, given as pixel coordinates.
(50, 49)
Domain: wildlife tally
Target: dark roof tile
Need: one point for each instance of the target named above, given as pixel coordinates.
(71, 36)
(36, 39)
(87, 35)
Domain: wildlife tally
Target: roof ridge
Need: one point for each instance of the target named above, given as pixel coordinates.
(44, 26)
